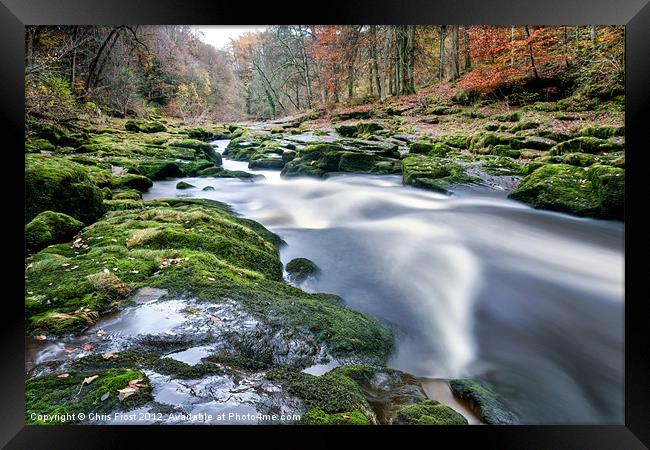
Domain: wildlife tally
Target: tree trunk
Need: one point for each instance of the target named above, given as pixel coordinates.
(455, 70)
(532, 58)
(375, 63)
(441, 57)
(468, 60)
(411, 60)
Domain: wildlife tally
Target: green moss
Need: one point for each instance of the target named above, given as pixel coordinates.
(422, 148)
(511, 117)
(301, 268)
(122, 204)
(184, 185)
(585, 144)
(329, 393)
(602, 132)
(132, 181)
(317, 416)
(144, 126)
(129, 194)
(486, 404)
(49, 228)
(52, 395)
(505, 150)
(63, 186)
(596, 191)
(458, 140)
(428, 412)
(433, 173)
(525, 125)
(502, 166)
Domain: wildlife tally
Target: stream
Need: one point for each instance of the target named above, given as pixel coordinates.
(476, 285)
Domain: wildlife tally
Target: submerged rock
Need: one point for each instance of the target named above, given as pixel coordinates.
(485, 403)
(184, 185)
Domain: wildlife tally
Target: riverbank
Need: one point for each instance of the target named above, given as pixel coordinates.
(189, 277)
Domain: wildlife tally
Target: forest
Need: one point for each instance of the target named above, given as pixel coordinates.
(324, 225)
(133, 71)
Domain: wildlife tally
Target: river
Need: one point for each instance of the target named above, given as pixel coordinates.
(477, 285)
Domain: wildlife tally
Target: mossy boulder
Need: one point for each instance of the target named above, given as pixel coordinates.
(184, 185)
(299, 269)
(458, 140)
(438, 174)
(132, 181)
(144, 126)
(55, 396)
(505, 150)
(595, 191)
(63, 186)
(330, 393)
(359, 129)
(485, 403)
(49, 228)
(428, 412)
(585, 144)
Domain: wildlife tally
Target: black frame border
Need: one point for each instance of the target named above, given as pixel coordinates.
(15, 14)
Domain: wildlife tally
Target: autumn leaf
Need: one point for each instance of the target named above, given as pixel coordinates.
(345, 417)
(63, 375)
(88, 347)
(100, 333)
(89, 380)
(41, 337)
(214, 319)
(109, 355)
(126, 392)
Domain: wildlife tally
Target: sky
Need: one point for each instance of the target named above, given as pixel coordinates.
(219, 35)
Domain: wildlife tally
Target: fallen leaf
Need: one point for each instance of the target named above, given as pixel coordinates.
(100, 333)
(70, 350)
(89, 380)
(214, 319)
(88, 347)
(63, 375)
(126, 392)
(104, 396)
(345, 417)
(108, 355)
(41, 337)
(135, 383)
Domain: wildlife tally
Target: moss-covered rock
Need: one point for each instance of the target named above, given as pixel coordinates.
(54, 396)
(330, 393)
(132, 181)
(49, 228)
(596, 191)
(221, 257)
(585, 144)
(485, 403)
(505, 150)
(438, 174)
(428, 412)
(184, 185)
(63, 186)
(317, 416)
(144, 126)
(300, 269)
(359, 129)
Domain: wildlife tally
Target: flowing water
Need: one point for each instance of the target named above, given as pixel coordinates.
(477, 285)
